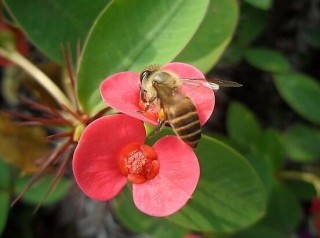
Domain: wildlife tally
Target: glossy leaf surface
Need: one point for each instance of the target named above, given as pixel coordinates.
(219, 203)
(120, 41)
(213, 35)
(302, 93)
(53, 23)
(36, 193)
(267, 59)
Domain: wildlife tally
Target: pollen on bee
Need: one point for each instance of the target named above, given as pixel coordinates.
(138, 163)
(161, 115)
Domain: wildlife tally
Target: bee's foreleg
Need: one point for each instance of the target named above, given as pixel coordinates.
(143, 95)
(162, 120)
(147, 103)
(161, 124)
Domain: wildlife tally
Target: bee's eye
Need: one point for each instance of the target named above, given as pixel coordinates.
(144, 74)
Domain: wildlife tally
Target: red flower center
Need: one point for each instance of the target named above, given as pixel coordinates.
(139, 163)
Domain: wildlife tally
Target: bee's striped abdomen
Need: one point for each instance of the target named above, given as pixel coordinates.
(184, 120)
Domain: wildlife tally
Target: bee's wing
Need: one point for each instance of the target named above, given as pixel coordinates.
(213, 84)
(224, 83)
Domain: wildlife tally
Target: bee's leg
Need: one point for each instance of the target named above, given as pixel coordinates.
(143, 95)
(143, 100)
(147, 104)
(161, 124)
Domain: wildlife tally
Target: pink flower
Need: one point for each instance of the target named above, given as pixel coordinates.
(121, 91)
(111, 151)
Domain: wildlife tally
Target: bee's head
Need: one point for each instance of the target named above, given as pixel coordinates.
(153, 81)
(154, 78)
(144, 75)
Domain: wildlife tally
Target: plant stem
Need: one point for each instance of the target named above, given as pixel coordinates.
(304, 176)
(38, 75)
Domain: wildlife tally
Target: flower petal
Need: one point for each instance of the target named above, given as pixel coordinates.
(121, 91)
(95, 160)
(202, 97)
(171, 189)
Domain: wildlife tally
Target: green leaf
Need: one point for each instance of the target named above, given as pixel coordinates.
(4, 208)
(302, 93)
(261, 232)
(302, 143)
(36, 193)
(242, 125)
(131, 34)
(225, 140)
(284, 212)
(262, 4)
(53, 23)
(4, 175)
(165, 228)
(303, 190)
(251, 25)
(229, 196)
(271, 147)
(263, 168)
(138, 222)
(267, 59)
(213, 35)
(130, 216)
(233, 54)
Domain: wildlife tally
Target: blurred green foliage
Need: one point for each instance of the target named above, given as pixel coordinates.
(12, 184)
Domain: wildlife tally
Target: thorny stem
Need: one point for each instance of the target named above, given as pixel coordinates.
(304, 176)
(38, 75)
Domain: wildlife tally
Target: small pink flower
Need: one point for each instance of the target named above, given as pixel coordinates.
(121, 91)
(111, 151)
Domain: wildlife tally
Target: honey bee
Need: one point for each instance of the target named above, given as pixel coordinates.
(162, 87)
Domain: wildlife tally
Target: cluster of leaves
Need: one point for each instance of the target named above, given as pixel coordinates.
(265, 151)
(11, 184)
(238, 185)
(272, 152)
(299, 90)
(16, 167)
